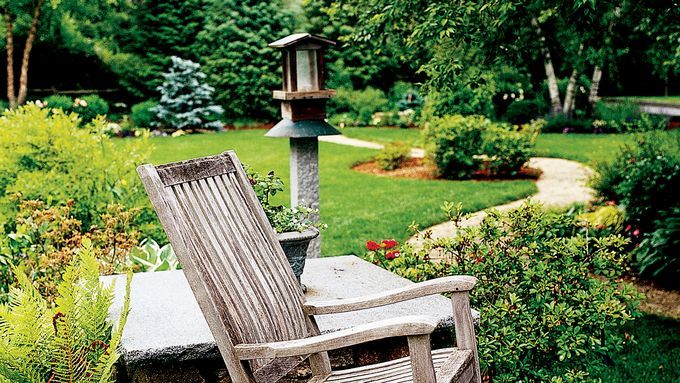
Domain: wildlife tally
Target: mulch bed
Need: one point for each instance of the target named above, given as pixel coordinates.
(419, 168)
(659, 300)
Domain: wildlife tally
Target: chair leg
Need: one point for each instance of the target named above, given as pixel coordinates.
(465, 328)
(421, 359)
(319, 363)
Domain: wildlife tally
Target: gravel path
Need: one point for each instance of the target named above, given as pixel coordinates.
(562, 183)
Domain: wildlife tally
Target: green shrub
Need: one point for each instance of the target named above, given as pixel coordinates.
(357, 106)
(281, 218)
(508, 148)
(141, 114)
(523, 111)
(47, 157)
(454, 143)
(58, 101)
(47, 239)
(90, 106)
(644, 178)
(549, 295)
(73, 341)
(625, 117)
(461, 146)
(393, 155)
(564, 124)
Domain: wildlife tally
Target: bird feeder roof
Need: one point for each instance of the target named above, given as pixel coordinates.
(300, 129)
(299, 38)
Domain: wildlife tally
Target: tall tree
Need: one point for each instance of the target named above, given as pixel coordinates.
(234, 51)
(15, 12)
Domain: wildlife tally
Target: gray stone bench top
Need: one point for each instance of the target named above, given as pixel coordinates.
(165, 323)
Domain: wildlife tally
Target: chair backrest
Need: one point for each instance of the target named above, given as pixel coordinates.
(231, 258)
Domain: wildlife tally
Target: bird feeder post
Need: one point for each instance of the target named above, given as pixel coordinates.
(303, 108)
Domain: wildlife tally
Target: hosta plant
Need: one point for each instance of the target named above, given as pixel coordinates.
(70, 342)
(150, 256)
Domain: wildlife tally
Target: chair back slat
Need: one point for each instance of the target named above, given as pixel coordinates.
(231, 257)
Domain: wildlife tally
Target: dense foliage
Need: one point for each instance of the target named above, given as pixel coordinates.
(186, 99)
(281, 218)
(234, 53)
(393, 155)
(644, 178)
(548, 291)
(45, 156)
(47, 239)
(87, 107)
(461, 146)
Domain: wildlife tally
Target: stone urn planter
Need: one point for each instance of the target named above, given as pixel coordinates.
(295, 244)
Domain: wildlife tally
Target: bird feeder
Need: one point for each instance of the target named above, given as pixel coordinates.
(303, 109)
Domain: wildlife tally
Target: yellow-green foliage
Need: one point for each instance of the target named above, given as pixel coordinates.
(47, 156)
(393, 155)
(71, 342)
(604, 217)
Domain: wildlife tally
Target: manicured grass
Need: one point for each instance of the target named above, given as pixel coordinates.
(356, 206)
(409, 136)
(655, 358)
(586, 148)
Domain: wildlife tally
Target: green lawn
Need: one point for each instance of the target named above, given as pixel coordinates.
(385, 135)
(586, 148)
(356, 206)
(654, 358)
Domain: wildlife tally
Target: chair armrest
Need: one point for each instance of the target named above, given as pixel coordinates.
(417, 290)
(395, 327)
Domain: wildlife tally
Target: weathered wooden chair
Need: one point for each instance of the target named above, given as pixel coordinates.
(253, 304)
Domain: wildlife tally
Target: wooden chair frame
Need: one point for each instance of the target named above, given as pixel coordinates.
(223, 239)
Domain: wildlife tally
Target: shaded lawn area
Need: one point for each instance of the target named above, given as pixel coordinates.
(655, 358)
(356, 206)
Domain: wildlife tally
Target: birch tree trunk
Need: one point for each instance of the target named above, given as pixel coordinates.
(593, 97)
(23, 77)
(569, 96)
(553, 90)
(9, 37)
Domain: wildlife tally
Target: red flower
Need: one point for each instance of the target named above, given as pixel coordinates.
(389, 243)
(636, 232)
(610, 203)
(372, 246)
(390, 255)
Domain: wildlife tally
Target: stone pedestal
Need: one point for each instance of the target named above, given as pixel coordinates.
(304, 181)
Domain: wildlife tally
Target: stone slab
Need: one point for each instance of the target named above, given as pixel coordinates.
(165, 324)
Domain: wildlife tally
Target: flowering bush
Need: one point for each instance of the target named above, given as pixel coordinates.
(47, 239)
(379, 253)
(549, 295)
(644, 179)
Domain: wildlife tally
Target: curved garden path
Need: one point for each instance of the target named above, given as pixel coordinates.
(562, 183)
